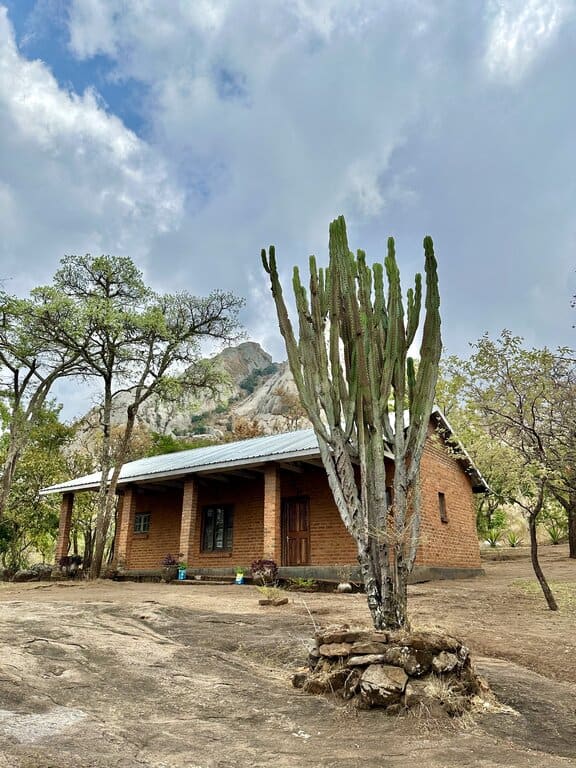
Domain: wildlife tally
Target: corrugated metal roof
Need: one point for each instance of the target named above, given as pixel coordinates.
(288, 445)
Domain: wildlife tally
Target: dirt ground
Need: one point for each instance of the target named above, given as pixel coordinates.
(167, 676)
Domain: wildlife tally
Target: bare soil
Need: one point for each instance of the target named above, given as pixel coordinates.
(122, 674)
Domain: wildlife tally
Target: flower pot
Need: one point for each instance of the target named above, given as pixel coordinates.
(181, 574)
(239, 578)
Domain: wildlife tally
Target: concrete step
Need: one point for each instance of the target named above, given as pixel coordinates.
(210, 581)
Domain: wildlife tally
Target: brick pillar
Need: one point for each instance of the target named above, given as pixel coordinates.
(189, 520)
(272, 544)
(124, 527)
(63, 542)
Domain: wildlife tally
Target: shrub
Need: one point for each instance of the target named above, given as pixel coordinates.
(301, 583)
(264, 571)
(513, 539)
(556, 531)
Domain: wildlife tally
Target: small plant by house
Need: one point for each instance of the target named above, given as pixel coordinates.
(495, 528)
(169, 567)
(264, 572)
(514, 540)
(298, 584)
(271, 596)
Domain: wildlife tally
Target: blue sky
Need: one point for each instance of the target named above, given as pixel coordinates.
(188, 135)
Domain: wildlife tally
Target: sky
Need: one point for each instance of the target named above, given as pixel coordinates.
(189, 134)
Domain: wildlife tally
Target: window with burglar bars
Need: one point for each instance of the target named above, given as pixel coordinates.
(142, 522)
(217, 528)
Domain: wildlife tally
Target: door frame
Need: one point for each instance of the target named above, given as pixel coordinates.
(285, 500)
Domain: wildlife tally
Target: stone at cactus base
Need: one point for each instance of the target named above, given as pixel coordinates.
(364, 661)
(445, 662)
(335, 649)
(382, 685)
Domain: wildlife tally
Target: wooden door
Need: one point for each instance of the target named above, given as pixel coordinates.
(295, 531)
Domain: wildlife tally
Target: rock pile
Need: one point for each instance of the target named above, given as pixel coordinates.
(37, 572)
(396, 670)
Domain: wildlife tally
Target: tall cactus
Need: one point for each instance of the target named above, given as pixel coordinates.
(354, 377)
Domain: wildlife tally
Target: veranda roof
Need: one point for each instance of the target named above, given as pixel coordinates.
(285, 446)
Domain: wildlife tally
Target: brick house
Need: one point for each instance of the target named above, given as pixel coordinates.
(226, 505)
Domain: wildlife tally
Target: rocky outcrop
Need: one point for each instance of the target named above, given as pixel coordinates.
(37, 572)
(395, 670)
(254, 389)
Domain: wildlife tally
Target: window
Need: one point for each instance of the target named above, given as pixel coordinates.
(217, 528)
(442, 508)
(142, 522)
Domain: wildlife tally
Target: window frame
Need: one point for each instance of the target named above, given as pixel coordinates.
(442, 507)
(142, 522)
(227, 534)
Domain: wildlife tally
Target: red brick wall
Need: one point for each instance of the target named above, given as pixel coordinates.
(450, 544)
(147, 550)
(454, 543)
(247, 498)
(330, 542)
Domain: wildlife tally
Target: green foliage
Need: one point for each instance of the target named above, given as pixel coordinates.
(30, 364)
(565, 591)
(134, 341)
(555, 522)
(513, 539)
(523, 398)
(31, 522)
(161, 444)
(250, 382)
(302, 583)
(493, 528)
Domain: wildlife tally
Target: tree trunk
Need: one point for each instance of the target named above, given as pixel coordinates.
(568, 502)
(572, 530)
(106, 516)
(532, 520)
(373, 592)
(104, 513)
(8, 475)
(88, 546)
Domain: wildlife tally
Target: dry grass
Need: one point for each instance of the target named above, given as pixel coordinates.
(564, 592)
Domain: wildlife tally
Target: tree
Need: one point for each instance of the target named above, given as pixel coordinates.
(524, 398)
(30, 521)
(135, 343)
(30, 364)
(350, 359)
(291, 407)
(499, 464)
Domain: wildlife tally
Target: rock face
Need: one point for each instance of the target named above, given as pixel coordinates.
(255, 390)
(396, 670)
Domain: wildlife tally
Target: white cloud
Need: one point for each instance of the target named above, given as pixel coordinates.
(274, 115)
(75, 178)
(520, 32)
(260, 121)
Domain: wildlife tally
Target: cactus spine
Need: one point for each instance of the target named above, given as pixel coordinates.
(354, 377)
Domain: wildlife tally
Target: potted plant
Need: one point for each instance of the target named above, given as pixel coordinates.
(182, 568)
(169, 568)
(239, 574)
